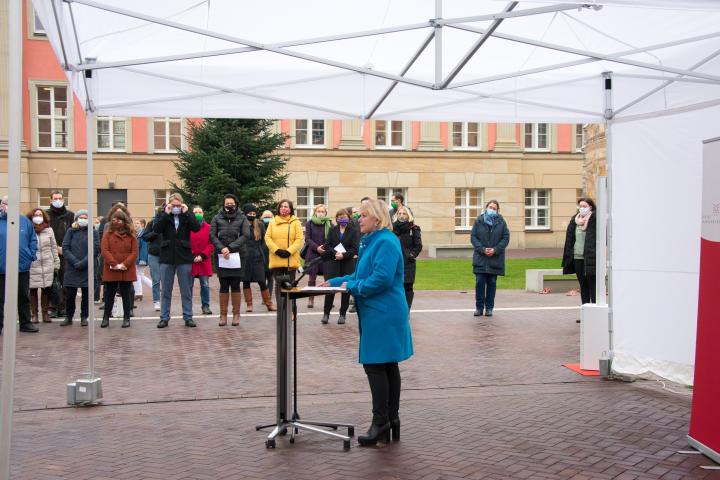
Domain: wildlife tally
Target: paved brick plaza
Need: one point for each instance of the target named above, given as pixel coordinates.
(482, 398)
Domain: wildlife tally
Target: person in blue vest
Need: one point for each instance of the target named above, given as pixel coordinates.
(490, 236)
(28, 250)
(385, 338)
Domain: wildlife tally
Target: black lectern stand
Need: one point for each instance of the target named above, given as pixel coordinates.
(287, 414)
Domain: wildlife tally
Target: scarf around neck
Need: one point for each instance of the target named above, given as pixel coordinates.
(402, 227)
(326, 222)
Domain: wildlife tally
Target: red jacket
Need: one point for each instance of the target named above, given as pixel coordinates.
(200, 245)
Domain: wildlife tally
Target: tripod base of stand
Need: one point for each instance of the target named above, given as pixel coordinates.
(318, 427)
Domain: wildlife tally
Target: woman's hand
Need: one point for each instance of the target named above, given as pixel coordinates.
(320, 250)
(324, 284)
(339, 256)
(197, 259)
(225, 253)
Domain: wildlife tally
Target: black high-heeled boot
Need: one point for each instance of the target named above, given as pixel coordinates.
(375, 433)
(105, 322)
(395, 428)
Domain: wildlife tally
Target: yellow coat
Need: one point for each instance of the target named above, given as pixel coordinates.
(285, 233)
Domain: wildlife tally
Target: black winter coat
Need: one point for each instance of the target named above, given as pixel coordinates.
(486, 236)
(588, 252)
(175, 246)
(231, 231)
(350, 241)
(256, 255)
(60, 221)
(75, 253)
(410, 237)
(152, 238)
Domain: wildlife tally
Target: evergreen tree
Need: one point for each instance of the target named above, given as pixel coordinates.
(230, 156)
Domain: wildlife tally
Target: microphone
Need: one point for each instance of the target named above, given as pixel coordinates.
(310, 264)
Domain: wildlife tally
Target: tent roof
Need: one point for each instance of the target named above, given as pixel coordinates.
(498, 61)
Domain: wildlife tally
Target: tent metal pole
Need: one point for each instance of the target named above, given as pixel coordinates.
(65, 65)
(600, 293)
(520, 13)
(438, 43)
(669, 111)
(476, 46)
(583, 61)
(89, 121)
(403, 72)
(588, 53)
(669, 82)
(14, 99)
(678, 78)
(250, 43)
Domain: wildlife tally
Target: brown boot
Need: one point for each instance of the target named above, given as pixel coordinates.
(34, 305)
(44, 306)
(236, 299)
(267, 300)
(224, 298)
(248, 299)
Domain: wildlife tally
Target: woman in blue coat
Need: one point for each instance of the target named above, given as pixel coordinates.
(490, 236)
(385, 339)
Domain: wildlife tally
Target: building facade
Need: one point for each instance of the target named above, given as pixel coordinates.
(445, 170)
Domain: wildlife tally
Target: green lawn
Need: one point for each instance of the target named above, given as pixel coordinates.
(457, 274)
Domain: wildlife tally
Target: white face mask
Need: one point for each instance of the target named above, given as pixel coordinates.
(584, 211)
(58, 203)
(82, 222)
(38, 220)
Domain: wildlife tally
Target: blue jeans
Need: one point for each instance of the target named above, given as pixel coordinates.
(204, 289)
(485, 286)
(167, 274)
(154, 264)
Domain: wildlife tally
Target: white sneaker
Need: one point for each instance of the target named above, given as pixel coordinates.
(156, 305)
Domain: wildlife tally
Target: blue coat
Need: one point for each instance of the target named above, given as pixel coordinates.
(28, 244)
(75, 252)
(484, 236)
(377, 285)
(142, 248)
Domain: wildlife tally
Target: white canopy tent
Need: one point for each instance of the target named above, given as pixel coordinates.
(632, 63)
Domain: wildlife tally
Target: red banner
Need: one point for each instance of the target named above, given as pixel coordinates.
(705, 417)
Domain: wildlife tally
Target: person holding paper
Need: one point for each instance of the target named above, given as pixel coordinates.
(409, 235)
(316, 232)
(229, 232)
(256, 260)
(385, 338)
(119, 249)
(339, 252)
(284, 238)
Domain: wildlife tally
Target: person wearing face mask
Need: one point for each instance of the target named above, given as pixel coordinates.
(284, 238)
(28, 248)
(230, 233)
(102, 228)
(579, 251)
(142, 260)
(44, 269)
(490, 236)
(202, 250)
(75, 246)
(266, 218)
(410, 238)
(397, 200)
(120, 251)
(175, 223)
(339, 252)
(257, 255)
(316, 231)
(60, 220)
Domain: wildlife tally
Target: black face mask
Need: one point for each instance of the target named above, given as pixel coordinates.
(230, 208)
(251, 217)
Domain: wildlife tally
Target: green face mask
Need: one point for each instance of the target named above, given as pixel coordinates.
(356, 215)
(394, 205)
(199, 217)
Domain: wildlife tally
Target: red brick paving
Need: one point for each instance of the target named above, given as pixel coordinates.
(482, 399)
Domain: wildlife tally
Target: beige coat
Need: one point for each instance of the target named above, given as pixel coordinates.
(48, 261)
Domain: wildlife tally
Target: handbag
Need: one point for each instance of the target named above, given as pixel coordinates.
(303, 251)
(55, 291)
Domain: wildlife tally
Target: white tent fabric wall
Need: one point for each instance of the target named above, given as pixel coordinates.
(513, 77)
(656, 233)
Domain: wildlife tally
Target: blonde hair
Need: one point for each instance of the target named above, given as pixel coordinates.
(378, 210)
(175, 196)
(320, 205)
(267, 214)
(406, 210)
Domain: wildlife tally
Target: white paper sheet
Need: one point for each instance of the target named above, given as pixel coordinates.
(339, 248)
(233, 261)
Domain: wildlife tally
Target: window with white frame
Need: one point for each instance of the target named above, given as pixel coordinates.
(167, 134)
(385, 194)
(37, 25)
(537, 209)
(111, 133)
(537, 136)
(43, 196)
(307, 198)
(465, 135)
(52, 117)
(160, 197)
(389, 134)
(579, 137)
(309, 133)
(468, 204)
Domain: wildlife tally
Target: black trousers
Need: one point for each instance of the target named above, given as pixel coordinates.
(60, 307)
(270, 280)
(384, 379)
(111, 288)
(409, 294)
(23, 298)
(262, 284)
(344, 303)
(71, 296)
(230, 283)
(587, 282)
